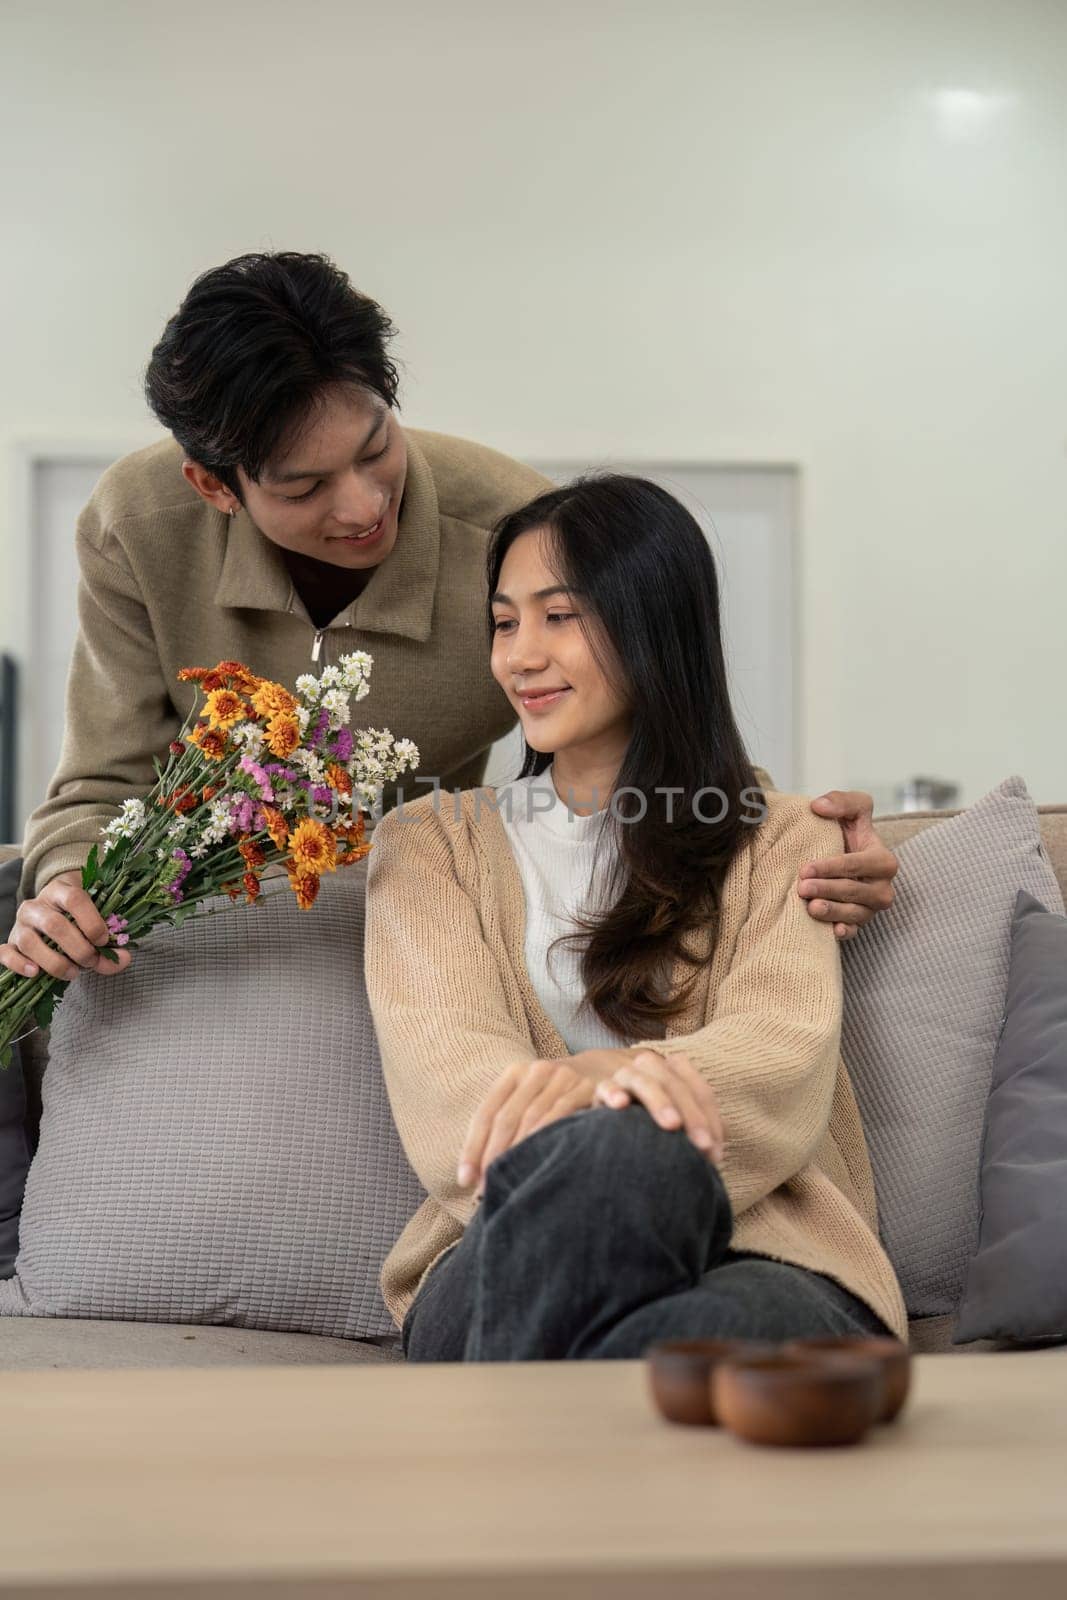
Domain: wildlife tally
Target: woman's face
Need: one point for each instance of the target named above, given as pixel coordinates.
(344, 475)
(539, 644)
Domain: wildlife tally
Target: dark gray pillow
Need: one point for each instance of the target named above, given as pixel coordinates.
(14, 1142)
(1016, 1283)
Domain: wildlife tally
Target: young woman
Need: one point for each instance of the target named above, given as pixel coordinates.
(608, 1028)
(289, 518)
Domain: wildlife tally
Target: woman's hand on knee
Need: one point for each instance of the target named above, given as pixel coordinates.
(525, 1097)
(673, 1092)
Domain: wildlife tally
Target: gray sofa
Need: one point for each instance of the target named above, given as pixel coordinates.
(60, 1342)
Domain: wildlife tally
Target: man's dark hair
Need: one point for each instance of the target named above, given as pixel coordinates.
(253, 349)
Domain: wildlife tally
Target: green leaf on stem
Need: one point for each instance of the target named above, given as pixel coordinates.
(42, 1011)
(113, 855)
(91, 869)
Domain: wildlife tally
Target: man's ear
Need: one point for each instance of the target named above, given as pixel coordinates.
(210, 488)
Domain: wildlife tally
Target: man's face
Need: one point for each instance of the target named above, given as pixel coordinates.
(342, 477)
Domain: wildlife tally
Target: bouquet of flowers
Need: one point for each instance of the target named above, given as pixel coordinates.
(258, 779)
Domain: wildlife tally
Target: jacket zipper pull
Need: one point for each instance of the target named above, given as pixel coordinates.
(316, 648)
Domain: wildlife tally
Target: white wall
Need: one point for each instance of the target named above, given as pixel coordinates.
(782, 230)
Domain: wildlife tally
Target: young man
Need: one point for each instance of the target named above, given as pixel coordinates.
(290, 518)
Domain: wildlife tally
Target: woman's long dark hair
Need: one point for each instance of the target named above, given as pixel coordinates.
(648, 596)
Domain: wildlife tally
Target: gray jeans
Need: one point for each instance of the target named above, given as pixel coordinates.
(600, 1234)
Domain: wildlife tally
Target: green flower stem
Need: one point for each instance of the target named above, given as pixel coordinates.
(34, 990)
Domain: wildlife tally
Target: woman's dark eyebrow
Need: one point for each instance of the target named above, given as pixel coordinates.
(500, 599)
(294, 477)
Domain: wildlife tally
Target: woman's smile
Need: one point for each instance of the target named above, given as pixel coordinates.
(542, 699)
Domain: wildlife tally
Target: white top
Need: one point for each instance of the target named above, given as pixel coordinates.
(555, 851)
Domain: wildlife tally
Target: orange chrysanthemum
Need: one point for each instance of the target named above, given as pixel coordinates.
(277, 826)
(224, 708)
(238, 676)
(252, 854)
(305, 885)
(208, 792)
(283, 735)
(338, 778)
(271, 700)
(251, 883)
(192, 674)
(353, 853)
(209, 740)
(232, 889)
(312, 846)
(350, 836)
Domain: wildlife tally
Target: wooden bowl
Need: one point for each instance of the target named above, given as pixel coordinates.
(893, 1357)
(680, 1371)
(784, 1399)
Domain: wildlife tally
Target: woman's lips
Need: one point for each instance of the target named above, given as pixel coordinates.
(541, 702)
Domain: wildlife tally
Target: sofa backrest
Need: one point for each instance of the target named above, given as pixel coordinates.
(893, 829)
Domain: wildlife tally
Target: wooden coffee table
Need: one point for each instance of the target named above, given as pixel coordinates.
(514, 1481)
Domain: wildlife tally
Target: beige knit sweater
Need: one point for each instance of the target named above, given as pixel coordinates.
(453, 1006)
(166, 581)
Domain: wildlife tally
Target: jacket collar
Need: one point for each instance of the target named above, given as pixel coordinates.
(400, 594)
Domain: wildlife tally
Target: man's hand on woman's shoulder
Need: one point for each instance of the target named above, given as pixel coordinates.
(848, 890)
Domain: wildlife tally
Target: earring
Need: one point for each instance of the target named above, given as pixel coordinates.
(231, 511)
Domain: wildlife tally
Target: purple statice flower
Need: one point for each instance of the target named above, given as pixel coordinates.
(322, 795)
(320, 730)
(117, 928)
(342, 745)
(279, 771)
(258, 775)
(174, 887)
(241, 812)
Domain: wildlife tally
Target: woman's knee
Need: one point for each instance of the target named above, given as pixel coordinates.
(627, 1133)
(631, 1140)
(614, 1152)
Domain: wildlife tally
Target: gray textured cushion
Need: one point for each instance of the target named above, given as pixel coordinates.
(14, 1141)
(1016, 1284)
(216, 1140)
(924, 994)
